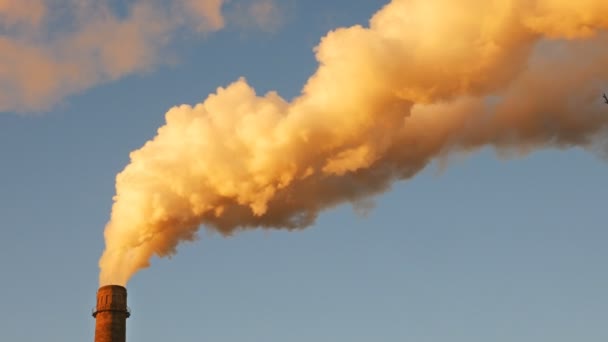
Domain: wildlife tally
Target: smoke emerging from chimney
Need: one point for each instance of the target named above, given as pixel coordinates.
(427, 78)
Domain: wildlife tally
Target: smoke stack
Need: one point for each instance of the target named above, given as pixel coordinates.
(111, 314)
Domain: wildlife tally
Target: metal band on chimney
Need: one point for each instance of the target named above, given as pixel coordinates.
(127, 311)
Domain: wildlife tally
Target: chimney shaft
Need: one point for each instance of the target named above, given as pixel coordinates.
(111, 314)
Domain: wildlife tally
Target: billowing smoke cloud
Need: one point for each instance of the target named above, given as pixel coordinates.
(51, 49)
(425, 79)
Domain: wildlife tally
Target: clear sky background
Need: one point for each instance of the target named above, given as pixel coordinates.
(487, 249)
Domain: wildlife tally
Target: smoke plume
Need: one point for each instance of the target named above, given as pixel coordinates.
(425, 79)
(52, 49)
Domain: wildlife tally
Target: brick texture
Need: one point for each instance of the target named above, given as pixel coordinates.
(111, 314)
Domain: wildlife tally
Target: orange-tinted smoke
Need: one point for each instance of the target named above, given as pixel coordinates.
(426, 78)
(53, 49)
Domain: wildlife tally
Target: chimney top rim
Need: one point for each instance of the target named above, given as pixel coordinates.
(113, 287)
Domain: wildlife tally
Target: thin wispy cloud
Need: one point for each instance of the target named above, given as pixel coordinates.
(51, 51)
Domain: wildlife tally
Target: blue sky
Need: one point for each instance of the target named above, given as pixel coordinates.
(487, 249)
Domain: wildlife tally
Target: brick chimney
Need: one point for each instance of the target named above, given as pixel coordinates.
(111, 314)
